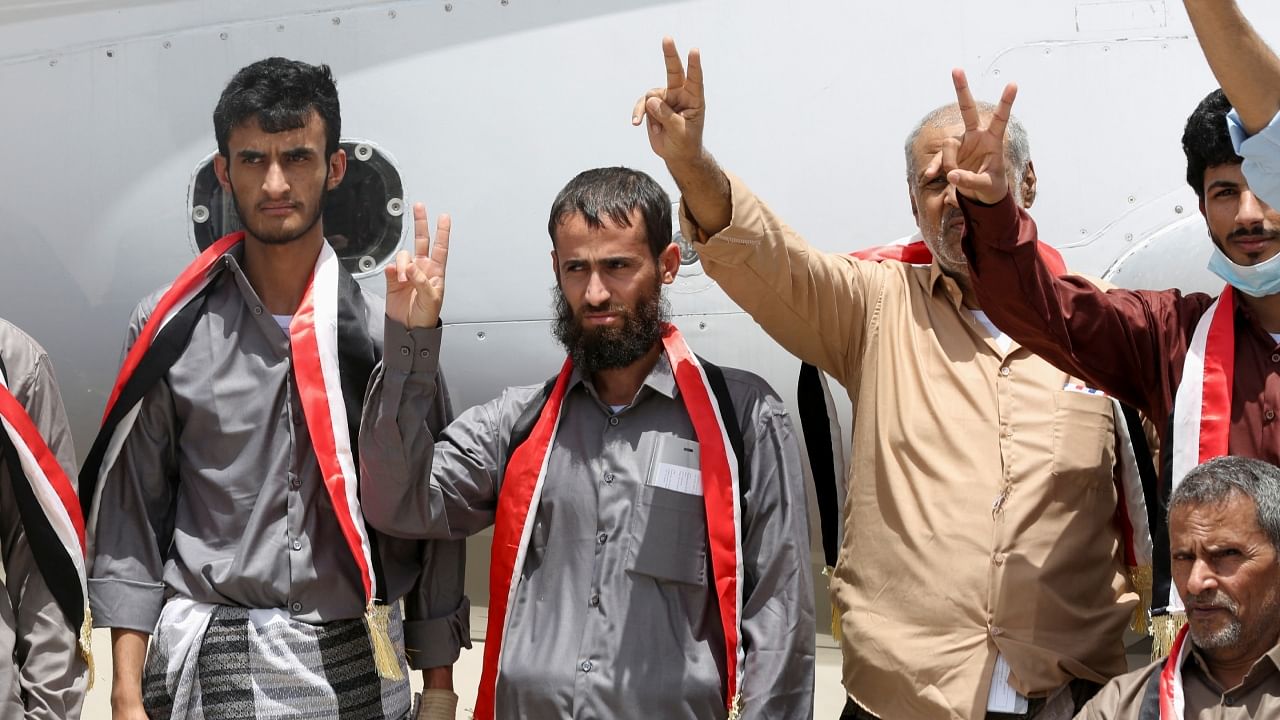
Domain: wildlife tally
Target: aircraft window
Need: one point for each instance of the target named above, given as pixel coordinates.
(363, 216)
(688, 253)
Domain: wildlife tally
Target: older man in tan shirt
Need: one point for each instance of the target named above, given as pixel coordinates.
(1224, 538)
(981, 570)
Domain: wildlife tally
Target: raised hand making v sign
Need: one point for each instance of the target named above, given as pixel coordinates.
(415, 283)
(675, 116)
(975, 162)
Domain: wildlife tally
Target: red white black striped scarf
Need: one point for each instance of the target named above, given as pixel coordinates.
(1202, 404)
(1164, 696)
(313, 336)
(51, 517)
(522, 487)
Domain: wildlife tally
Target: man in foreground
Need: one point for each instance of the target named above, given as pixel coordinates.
(44, 628)
(229, 527)
(650, 553)
(981, 572)
(1224, 535)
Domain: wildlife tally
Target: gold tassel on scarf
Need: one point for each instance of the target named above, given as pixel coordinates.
(86, 642)
(1140, 577)
(836, 633)
(377, 620)
(1164, 630)
(735, 708)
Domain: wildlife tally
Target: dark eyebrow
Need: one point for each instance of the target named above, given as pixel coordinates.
(1223, 184)
(300, 151)
(250, 154)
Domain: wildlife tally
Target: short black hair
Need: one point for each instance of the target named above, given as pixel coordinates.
(1206, 140)
(280, 93)
(614, 192)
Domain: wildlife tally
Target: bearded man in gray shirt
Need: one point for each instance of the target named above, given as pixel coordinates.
(650, 554)
(226, 519)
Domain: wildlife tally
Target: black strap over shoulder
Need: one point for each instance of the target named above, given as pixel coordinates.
(815, 426)
(1150, 707)
(523, 426)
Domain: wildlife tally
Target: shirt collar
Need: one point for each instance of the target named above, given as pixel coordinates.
(938, 278)
(660, 380)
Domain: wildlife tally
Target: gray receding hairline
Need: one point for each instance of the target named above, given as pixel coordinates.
(1017, 144)
(1220, 479)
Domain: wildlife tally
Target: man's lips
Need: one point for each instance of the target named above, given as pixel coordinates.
(277, 208)
(1251, 243)
(599, 318)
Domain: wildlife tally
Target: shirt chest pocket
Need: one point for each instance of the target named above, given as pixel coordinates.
(668, 533)
(1083, 435)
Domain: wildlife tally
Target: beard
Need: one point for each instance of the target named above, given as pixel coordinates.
(609, 348)
(280, 236)
(1226, 636)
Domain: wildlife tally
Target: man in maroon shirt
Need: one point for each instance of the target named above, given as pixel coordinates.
(1205, 370)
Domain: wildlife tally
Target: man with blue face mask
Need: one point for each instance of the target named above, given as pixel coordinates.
(1205, 370)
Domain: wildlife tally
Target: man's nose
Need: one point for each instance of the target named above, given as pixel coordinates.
(1201, 578)
(1250, 212)
(950, 197)
(597, 293)
(275, 183)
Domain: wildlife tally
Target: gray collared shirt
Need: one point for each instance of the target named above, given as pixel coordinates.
(43, 676)
(217, 495)
(615, 613)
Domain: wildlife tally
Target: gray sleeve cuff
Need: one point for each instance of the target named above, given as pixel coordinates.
(439, 641)
(412, 351)
(125, 604)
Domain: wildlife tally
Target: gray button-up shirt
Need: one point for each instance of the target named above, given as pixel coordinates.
(217, 495)
(42, 675)
(615, 614)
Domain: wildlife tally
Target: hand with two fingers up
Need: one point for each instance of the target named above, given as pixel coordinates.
(415, 283)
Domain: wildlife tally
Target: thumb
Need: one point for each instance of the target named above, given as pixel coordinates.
(662, 113)
(975, 186)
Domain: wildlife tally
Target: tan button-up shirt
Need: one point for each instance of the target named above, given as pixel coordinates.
(1256, 697)
(981, 504)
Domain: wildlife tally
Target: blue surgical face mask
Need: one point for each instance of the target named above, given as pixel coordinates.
(1258, 280)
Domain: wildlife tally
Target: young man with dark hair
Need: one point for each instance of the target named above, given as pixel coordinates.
(44, 624)
(1249, 73)
(650, 554)
(226, 524)
(1204, 370)
(1224, 535)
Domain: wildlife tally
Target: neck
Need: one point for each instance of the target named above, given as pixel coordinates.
(279, 274)
(1229, 673)
(1266, 309)
(618, 386)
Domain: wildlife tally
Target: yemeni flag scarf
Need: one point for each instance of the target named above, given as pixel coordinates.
(1135, 483)
(1201, 425)
(332, 361)
(1164, 697)
(50, 515)
(526, 475)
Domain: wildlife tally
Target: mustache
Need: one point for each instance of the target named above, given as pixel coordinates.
(1254, 233)
(1214, 599)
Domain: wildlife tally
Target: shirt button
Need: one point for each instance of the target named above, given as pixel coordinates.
(297, 544)
(1004, 372)
(295, 482)
(1269, 415)
(608, 478)
(257, 309)
(404, 350)
(1275, 357)
(424, 353)
(996, 631)
(586, 666)
(998, 559)
(298, 418)
(1008, 432)
(296, 607)
(602, 538)
(594, 601)
(613, 420)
